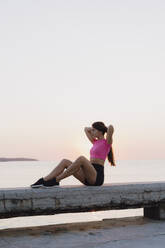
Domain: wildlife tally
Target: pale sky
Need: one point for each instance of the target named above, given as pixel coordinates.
(66, 64)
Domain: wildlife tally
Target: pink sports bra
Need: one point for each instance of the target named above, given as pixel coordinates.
(100, 149)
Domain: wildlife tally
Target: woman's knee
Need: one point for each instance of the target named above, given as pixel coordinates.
(81, 158)
(66, 162)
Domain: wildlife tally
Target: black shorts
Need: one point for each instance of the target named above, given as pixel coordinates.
(100, 175)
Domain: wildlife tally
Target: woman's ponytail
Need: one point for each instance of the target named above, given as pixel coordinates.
(111, 157)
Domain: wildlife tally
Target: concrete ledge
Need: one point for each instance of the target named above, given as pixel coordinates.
(43, 201)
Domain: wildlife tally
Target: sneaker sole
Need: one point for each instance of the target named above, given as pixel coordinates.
(47, 187)
(37, 186)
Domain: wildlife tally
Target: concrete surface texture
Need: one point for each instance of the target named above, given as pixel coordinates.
(27, 201)
(116, 233)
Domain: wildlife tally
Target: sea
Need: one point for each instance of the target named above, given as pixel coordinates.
(23, 174)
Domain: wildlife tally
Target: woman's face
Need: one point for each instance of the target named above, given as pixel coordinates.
(95, 132)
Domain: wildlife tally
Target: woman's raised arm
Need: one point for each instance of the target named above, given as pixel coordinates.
(89, 134)
(110, 132)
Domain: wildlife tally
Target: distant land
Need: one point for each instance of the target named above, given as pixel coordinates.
(17, 159)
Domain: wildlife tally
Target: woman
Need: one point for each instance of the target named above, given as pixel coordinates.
(87, 172)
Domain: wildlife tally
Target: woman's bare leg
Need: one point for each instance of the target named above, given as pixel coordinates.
(89, 171)
(58, 169)
(79, 174)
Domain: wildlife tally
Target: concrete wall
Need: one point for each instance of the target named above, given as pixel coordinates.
(63, 199)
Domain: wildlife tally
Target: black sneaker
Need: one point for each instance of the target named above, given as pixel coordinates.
(51, 183)
(38, 184)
